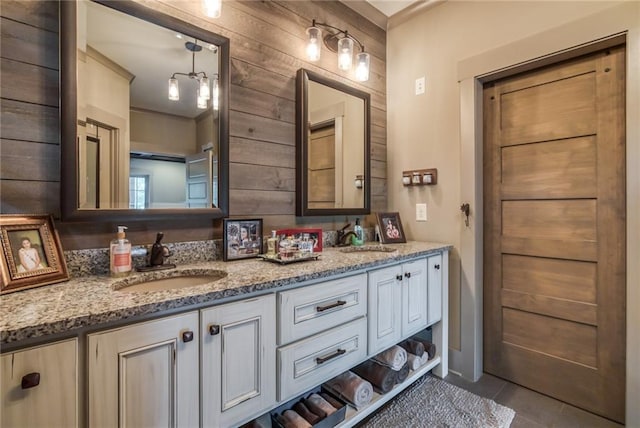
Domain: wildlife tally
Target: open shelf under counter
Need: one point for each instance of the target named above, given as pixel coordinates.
(353, 415)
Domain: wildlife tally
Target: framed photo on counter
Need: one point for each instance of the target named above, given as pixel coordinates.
(391, 231)
(242, 239)
(31, 253)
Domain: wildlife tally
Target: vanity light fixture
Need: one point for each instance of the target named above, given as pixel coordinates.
(212, 8)
(203, 90)
(341, 42)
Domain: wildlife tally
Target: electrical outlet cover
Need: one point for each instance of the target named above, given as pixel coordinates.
(420, 86)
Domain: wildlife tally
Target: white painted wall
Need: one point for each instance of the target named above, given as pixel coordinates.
(450, 44)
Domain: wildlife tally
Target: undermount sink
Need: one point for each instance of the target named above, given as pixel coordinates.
(175, 280)
(368, 248)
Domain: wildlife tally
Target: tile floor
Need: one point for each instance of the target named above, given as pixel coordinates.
(533, 410)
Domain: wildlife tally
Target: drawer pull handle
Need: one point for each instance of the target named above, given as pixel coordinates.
(339, 352)
(437, 266)
(331, 306)
(399, 277)
(187, 336)
(407, 274)
(30, 380)
(214, 329)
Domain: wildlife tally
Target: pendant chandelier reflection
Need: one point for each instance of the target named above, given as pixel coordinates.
(203, 90)
(341, 42)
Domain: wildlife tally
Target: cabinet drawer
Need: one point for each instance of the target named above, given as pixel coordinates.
(311, 361)
(312, 309)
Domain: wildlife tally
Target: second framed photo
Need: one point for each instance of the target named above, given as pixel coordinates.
(391, 231)
(242, 239)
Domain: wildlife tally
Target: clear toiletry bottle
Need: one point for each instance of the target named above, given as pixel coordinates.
(358, 239)
(272, 244)
(120, 254)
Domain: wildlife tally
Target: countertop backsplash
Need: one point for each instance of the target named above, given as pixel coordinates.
(96, 261)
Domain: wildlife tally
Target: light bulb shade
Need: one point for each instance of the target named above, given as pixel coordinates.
(174, 91)
(216, 94)
(201, 102)
(363, 60)
(313, 45)
(345, 53)
(212, 8)
(205, 92)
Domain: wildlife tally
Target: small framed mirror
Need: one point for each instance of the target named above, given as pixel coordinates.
(144, 114)
(333, 173)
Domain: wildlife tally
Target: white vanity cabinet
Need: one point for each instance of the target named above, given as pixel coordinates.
(238, 361)
(398, 303)
(39, 386)
(145, 374)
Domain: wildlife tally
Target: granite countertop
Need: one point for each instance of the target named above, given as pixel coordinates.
(95, 300)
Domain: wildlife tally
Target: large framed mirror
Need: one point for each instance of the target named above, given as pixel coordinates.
(144, 114)
(333, 173)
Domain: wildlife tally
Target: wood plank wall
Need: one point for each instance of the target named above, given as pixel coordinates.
(267, 48)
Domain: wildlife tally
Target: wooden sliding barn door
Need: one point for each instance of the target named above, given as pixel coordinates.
(554, 235)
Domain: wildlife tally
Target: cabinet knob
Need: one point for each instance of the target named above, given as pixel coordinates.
(407, 274)
(437, 266)
(187, 336)
(338, 352)
(30, 380)
(399, 277)
(214, 329)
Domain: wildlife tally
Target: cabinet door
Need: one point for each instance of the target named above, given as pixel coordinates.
(434, 270)
(414, 297)
(238, 361)
(385, 291)
(145, 375)
(52, 400)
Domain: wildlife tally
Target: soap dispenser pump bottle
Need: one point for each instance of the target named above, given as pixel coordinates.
(358, 239)
(120, 254)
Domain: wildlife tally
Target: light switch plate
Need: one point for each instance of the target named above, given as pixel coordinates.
(421, 212)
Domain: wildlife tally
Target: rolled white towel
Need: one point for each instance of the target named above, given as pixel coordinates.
(414, 361)
(394, 357)
(352, 388)
(424, 359)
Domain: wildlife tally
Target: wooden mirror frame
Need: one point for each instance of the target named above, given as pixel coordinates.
(69, 110)
(302, 145)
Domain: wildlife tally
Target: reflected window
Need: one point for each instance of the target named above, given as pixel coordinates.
(139, 191)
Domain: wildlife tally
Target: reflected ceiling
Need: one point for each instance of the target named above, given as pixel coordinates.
(148, 50)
